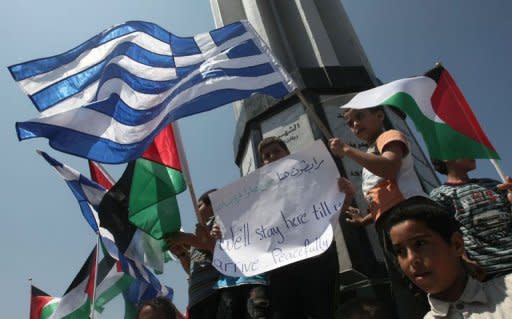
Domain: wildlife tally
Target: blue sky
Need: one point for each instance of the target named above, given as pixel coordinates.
(44, 236)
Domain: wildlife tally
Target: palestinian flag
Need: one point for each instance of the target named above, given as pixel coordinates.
(439, 111)
(142, 246)
(76, 301)
(155, 182)
(42, 305)
(112, 281)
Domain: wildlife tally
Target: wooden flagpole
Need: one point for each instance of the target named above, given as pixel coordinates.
(314, 117)
(497, 166)
(185, 170)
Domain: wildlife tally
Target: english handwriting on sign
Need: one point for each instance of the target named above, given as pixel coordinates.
(303, 167)
(237, 237)
(280, 256)
(269, 232)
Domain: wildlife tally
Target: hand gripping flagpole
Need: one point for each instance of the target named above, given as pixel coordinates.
(185, 170)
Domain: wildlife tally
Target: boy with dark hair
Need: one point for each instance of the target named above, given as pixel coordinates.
(483, 211)
(158, 308)
(429, 248)
(197, 262)
(388, 178)
(305, 289)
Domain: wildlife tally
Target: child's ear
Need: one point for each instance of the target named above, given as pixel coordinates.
(457, 243)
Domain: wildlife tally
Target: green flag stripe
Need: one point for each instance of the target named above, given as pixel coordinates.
(443, 142)
(152, 204)
(116, 288)
(49, 308)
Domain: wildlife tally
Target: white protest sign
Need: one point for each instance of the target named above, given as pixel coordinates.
(278, 214)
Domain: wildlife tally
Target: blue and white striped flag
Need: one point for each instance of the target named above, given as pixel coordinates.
(88, 193)
(108, 98)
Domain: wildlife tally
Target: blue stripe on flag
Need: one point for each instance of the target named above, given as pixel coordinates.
(228, 32)
(31, 68)
(183, 46)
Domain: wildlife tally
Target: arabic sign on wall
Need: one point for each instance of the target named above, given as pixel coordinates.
(278, 214)
(291, 125)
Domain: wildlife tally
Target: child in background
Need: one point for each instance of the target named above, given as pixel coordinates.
(483, 211)
(429, 248)
(197, 262)
(158, 308)
(388, 178)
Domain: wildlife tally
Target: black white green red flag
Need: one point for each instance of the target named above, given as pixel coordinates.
(439, 111)
(76, 301)
(42, 305)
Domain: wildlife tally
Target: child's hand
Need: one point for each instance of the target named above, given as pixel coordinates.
(216, 233)
(173, 240)
(178, 250)
(355, 217)
(336, 146)
(507, 185)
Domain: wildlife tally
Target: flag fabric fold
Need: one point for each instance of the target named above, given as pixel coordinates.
(108, 98)
(439, 111)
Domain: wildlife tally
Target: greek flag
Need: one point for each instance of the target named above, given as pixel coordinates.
(108, 98)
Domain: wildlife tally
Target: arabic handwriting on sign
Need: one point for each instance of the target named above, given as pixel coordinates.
(245, 193)
(303, 167)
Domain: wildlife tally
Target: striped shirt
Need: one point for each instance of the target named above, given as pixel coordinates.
(486, 224)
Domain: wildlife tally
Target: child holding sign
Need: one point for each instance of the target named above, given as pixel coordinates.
(305, 289)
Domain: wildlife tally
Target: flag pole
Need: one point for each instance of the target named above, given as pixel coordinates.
(30, 295)
(186, 171)
(93, 303)
(497, 166)
(313, 116)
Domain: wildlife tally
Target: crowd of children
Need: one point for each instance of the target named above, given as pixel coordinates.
(454, 245)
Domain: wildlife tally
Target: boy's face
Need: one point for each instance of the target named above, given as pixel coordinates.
(272, 152)
(365, 124)
(466, 165)
(147, 312)
(204, 210)
(428, 260)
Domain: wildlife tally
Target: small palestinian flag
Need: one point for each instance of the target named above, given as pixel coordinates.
(42, 305)
(76, 301)
(439, 111)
